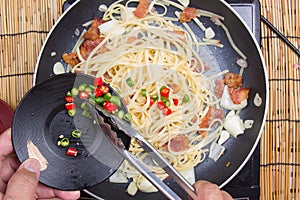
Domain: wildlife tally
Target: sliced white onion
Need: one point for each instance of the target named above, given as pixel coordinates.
(227, 103)
(257, 100)
(110, 27)
(118, 177)
(58, 68)
(209, 33)
(132, 188)
(102, 8)
(216, 151)
(145, 186)
(225, 135)
(242, 63)
(129, 13)
(248, 124)
(230, 114)
(185, 3)
(53, 53)
(234, 125)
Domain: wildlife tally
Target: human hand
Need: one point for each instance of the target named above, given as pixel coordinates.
(209, 191)
(21, 181)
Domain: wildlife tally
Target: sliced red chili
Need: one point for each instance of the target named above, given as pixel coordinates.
(72, 152)
(83, 95)
(160, 105)
(69, 99)
(97, 92)
(110, 107)
(166, 111)
(70, 106)
(176, 102)
(98, 81)
(165, 92)
(104, 89)
(151, 101)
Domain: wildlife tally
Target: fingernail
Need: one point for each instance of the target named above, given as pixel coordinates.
(32, 165)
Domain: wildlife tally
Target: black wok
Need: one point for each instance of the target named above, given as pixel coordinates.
(62, 38)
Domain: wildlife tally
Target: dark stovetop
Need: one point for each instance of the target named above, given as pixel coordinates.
(245, 185)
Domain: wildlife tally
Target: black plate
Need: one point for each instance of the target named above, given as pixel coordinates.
(62, 38)
(41, 117)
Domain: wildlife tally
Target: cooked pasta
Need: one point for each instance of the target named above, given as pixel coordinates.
(154, 53)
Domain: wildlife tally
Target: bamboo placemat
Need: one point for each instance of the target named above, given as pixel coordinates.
(25, 24)
(280, 143)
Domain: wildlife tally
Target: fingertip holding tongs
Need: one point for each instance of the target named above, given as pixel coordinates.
(99, 115)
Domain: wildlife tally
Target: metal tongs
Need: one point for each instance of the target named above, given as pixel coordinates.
(105, 118)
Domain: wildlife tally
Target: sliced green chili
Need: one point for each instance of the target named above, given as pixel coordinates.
(120, 114)
(86, 114)
(64, 142)
(144, 92)
(99, 100)
(72, 112)
(107, 96)
(74, 91)
(82, 86)
(155, 97)
(88, 89)
(186, 98)
(127, 117)
(84, 106)
(115, 100)
(76, 133)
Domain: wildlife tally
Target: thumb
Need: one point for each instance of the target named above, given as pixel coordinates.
(23, 183)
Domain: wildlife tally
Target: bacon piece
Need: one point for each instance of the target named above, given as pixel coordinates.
(87, 46)
(188, 14)
(70, 58)
(179, 143)
(219, 88)
(142, 9)
(237, 95)
(93, 32)
(212, 113)
(233, 80)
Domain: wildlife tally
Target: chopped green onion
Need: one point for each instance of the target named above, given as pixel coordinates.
(69, 93)
(120, 114)
(115, 100)
(82, 86)
(144, 92)
(129, 82)
(186, 98)
(76, 133)
(74, 91)
(127, 117)
(64, 142)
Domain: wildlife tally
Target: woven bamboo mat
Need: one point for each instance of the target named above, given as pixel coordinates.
(24, 26)
(280, 143)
